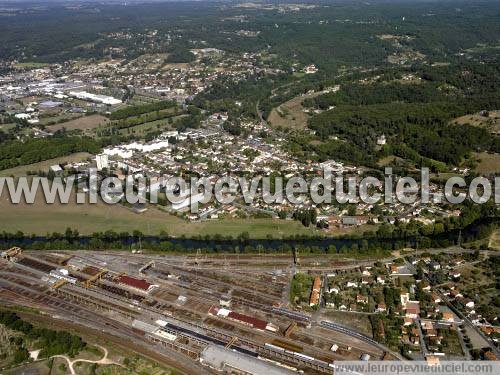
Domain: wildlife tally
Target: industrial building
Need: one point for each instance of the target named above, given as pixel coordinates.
(243, 319)
(316, 288)
(84, 95)
(137, 284)
(231, 362)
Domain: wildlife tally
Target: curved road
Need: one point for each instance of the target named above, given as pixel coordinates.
(360, 336)
(103, 361)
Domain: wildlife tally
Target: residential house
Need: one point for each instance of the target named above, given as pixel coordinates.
(435, 298)
(405, 297)
(381, 307)
(412, 309)
(448, 316)
(361, 299)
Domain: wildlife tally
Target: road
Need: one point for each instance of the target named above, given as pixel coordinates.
(360, 336)
(423, 346)
(464, 318)
(103, 361)
(259, 113)
(466, 351)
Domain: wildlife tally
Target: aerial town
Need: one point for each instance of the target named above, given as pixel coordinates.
(74, 100)
(300, 313)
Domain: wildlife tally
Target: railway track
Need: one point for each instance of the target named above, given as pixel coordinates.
(72, 293)
(360, 336)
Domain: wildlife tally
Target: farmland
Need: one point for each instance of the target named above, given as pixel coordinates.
(41, 218)
(291, 114)
(45, 165)
(82, 123)
(489, 121)
(487, 163)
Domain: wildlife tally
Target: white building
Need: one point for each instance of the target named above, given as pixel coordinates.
(310, 69)
(185, 203)
(102, 161)
(84, 95)
(381, 140)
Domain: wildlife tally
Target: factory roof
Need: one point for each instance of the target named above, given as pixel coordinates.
(314, 299)
(224, 359)
(135, 283)
(145, 327)
(256, 323)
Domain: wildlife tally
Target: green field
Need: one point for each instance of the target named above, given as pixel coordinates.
(41, 218)
(30, 65)
(82, 123)
(495, 240)
(152, 126)
(45, 165)
(291, 113)
(487, 163)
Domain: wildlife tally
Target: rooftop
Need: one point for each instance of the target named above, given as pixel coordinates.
(224, 359)
(135, 283)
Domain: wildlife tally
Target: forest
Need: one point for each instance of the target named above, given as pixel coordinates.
(330, 35)
(14, 153)
(422, 127)
(137, 110)
(50, 341)
(414, 117)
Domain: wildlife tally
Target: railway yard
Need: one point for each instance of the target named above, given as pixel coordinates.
(198, 314)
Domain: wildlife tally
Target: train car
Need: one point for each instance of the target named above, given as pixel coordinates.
(303, 356)
(274, 347)
(287, 346)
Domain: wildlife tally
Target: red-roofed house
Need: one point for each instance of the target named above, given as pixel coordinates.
(247, 320)
(134, 283)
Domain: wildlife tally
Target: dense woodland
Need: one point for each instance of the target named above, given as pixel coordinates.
(137, 110)
(422, 127)
(14, 153)
(51, 342)
(330, 35)
(414, 117)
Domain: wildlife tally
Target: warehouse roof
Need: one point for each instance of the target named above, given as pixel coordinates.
(256, 323)
(224, 359)
(135, 283)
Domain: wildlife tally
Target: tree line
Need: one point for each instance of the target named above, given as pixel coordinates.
(15, 152)
(50, 341)
(137, 110)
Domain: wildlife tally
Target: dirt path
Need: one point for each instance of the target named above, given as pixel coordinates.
(103, 361)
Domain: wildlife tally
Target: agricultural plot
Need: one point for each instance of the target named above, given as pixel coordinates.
(487, 163)
(495, 240)
(44, 166)
(157, 125)
(83, 123)
(41, 218)
(291, 113)
(489, 121)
